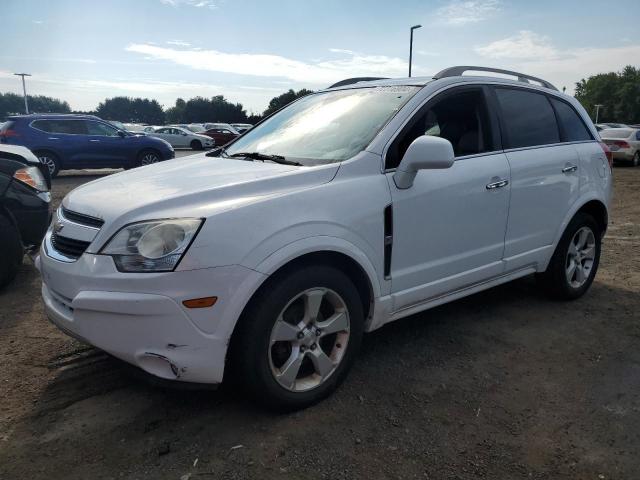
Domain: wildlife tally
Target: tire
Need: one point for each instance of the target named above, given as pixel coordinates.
(258, 360)
(196, 145)
(148, 157)
(559, 280)
(12, 251)
(636, 159)
(49, 159)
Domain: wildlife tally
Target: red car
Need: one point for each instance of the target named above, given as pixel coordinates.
(222, 136)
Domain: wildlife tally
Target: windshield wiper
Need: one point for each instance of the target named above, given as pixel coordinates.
(216, 152)
(263, 157)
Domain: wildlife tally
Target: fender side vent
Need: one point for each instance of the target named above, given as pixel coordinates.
(388, 240)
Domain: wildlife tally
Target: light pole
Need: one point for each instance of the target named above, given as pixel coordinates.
(411, 45)
(597, 105)
(24, 91)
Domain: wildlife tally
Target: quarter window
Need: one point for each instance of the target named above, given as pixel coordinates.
(527, 118)
(573, 128)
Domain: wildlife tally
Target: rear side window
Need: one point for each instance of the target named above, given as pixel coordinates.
(70, 127)
(527, 118)
(572, 126)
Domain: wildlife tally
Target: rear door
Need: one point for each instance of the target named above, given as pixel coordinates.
(64, 137)
(545, 177)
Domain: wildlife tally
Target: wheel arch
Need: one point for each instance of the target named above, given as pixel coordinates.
(277, 266)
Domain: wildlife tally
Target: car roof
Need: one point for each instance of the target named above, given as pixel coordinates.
(52, 116)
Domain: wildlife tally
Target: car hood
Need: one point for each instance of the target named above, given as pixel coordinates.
(196, 186)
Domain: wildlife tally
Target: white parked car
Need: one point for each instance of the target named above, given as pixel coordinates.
(180, 137)
(332, 218)
(624, 144)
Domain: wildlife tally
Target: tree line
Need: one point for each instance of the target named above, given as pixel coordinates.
(617, 92)
(146, 111)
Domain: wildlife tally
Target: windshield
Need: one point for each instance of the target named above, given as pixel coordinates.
(326, 127)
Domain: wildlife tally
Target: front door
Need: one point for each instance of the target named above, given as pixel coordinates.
(449, 227)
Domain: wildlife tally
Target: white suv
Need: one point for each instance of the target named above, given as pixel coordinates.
(350, 208)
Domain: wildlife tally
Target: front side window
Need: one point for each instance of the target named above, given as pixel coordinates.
(460, 117)
(326, 127)
(527, 118)
(101, 129)
(573, 127)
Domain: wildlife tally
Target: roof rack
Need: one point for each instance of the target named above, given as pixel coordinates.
(350, 81)
(458, 71)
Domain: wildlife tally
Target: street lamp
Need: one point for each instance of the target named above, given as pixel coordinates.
(24, 91)
(598, 106)
(411, 45)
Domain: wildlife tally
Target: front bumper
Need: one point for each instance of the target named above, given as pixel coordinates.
(140, 318)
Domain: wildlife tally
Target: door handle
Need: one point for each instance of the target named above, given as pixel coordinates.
(94, 140)
(498, 184)
(569, 168)
(53, 138)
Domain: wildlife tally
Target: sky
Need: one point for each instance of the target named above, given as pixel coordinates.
(84, 51)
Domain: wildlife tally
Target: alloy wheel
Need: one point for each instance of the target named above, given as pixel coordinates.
(309, 339)
(49, 163)
(580, 257)
(149, 158)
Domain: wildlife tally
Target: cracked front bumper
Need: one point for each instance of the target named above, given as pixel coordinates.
(147, 325)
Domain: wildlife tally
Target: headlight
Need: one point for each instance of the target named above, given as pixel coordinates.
(32, 177)
(153, 246)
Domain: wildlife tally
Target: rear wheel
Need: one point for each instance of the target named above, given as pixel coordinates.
(12, 251)
(636, 159)
(575, 262)
(298, 338)
(49, 160)
(196, 145)
(148, 157)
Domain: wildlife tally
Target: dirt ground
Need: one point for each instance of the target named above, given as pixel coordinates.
(505, 384)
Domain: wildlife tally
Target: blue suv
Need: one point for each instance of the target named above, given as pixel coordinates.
(82, 141)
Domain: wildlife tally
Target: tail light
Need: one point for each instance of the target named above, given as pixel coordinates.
(620, 143)
(607, 153)
(4, 134)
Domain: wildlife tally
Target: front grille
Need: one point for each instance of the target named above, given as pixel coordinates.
(81, 218)
(69, 247)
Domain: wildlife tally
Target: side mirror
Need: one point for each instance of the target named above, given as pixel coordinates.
(121, 134)
(184, 134)
(425, 153)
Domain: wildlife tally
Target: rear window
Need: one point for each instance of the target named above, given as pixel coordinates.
(616, 133)
(573, 127)
(528, 118)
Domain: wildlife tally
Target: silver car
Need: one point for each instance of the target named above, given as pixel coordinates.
(180, 137)
(624, 143)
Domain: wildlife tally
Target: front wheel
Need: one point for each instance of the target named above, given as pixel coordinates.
(298, 338)
(148, 157)
(575, 262)
(196, 145)
(50, 161)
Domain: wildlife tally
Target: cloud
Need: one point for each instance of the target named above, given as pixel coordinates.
(178, 43)
(38, 22)
(192, 3)
(342, 50)
(525, 44)
(459, 12)
(267, 65)
(536, 54)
